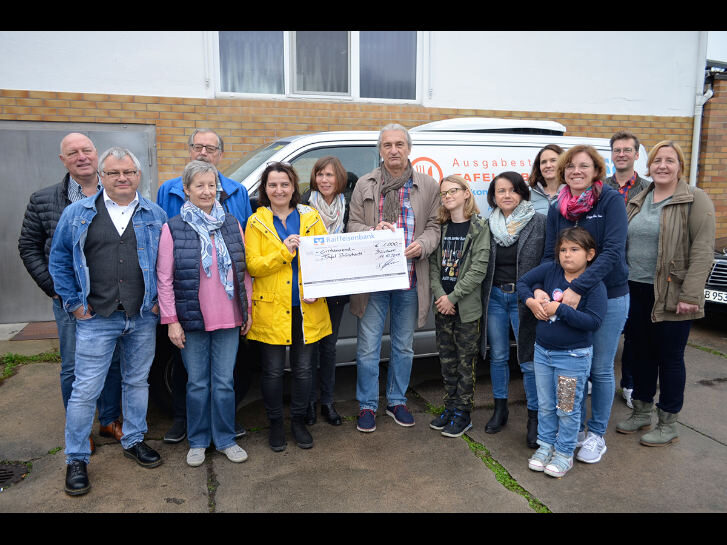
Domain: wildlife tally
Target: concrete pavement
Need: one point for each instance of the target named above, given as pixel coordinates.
(394, 469)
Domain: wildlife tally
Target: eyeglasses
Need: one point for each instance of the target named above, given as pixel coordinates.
(582, 166)
(450, 192)
(198, 147)
(625, 151)
(114, 174)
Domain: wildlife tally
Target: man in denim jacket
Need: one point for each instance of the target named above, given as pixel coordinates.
(105, 273)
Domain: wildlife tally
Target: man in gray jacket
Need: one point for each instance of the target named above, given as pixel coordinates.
(393, 196)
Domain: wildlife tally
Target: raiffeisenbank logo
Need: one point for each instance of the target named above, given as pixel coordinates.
(428, 166)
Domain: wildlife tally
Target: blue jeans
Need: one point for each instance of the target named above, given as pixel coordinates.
(502, 312)
(561, 377)
(403, 305)
(109, 403)
(209, 357)
(605, 345)
(96, 340)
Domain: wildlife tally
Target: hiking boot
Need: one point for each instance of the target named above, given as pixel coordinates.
(640, 418)
(665, 433)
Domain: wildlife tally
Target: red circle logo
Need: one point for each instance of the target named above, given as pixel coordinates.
(428, 166)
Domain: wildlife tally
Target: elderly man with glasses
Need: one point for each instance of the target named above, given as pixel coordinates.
(103, 265)
(204, 145)
(80, 158)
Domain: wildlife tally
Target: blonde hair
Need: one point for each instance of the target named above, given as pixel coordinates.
(470, 206)
(666, 144)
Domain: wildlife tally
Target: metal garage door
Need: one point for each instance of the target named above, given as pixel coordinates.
(30, 162)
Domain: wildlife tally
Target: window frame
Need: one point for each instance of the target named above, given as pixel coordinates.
(289, 69)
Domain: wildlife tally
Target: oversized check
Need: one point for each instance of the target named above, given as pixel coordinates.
(349, 263)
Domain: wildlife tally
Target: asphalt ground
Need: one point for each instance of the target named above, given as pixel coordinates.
(393, 470)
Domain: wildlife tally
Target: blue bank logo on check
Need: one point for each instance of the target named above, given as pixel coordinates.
(319, 240)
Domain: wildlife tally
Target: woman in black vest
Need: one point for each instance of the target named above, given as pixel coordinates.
(204, 297)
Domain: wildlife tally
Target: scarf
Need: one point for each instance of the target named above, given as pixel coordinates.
(574, 208)
(331, 214)
(390, 187)
(204, 224)
(506, 230)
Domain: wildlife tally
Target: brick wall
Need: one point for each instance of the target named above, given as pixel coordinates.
(713, 153)
(247, 124)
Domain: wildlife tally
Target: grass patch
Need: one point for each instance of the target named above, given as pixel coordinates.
(708, 350)
(10, 362)
(503, 476)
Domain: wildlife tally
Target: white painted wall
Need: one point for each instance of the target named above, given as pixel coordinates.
(631, 73)
(123, 63)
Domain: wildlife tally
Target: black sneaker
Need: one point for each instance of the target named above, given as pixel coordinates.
(459, 424)
(177, 432)
(442, 420)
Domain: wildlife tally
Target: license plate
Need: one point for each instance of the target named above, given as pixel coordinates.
(715, 296)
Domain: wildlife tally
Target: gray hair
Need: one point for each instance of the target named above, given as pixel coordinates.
(220, 142)
(194, 168)
(393, 127)
(118, 153)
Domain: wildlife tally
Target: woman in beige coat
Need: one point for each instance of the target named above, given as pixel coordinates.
(669, 252)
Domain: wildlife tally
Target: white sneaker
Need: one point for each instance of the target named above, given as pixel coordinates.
(593, 449)
(559, 465)
(626, 393)
(195, 457)
(581, 439)
(235, 453)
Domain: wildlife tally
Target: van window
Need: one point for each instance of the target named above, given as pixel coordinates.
(358, 160)
(244, 167)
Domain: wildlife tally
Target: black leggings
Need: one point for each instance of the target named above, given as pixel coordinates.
(272, 359)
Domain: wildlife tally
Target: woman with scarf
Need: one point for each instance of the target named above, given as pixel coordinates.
(517, 234)
(282, 315)
(204, 298)
(326, 194)
(587, 202)
(543, 180)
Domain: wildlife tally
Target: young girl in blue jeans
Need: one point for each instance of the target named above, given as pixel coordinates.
(563, 347)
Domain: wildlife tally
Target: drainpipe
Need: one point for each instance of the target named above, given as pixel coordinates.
(701, 100)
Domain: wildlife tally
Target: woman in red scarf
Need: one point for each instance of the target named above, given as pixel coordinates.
(586, 202)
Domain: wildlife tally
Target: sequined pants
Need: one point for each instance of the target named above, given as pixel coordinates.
(561, 377)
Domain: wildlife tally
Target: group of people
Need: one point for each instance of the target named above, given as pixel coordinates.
(567, 261)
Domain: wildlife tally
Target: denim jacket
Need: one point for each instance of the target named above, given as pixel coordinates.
(67, 263)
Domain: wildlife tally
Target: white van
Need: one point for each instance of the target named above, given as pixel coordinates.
(476, 148)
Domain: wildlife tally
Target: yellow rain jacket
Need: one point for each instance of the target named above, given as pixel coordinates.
(269, 263)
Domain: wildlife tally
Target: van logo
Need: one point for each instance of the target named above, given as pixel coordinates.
(427, 166)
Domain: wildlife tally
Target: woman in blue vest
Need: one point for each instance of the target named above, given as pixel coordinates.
(204, 298)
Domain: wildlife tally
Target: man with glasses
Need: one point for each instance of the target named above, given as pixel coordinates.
(80, 158)
(393, 196)
(624, 153)
(103, 265)
(204, 145)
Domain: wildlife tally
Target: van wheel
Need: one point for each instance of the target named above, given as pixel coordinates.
(162, 373)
